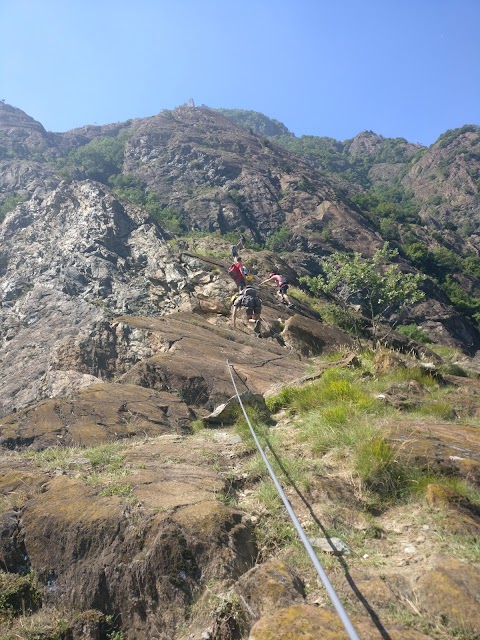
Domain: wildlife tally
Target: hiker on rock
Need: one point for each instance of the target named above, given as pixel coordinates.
(282, 284)
(236, 272)
(241, 242)
(249, 300)
(234, 251)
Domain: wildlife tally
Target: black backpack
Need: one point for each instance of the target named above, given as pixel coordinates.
(249, 298)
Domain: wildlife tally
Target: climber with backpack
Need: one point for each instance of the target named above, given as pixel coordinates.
(249, 300)
(282, 284)
(236, 271)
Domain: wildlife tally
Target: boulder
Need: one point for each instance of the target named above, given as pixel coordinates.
(311, 337)
(140, 546)
(191, 360)
(99, 413)
(268, 587)
(451, 590)
(230, 410)
(311, 623)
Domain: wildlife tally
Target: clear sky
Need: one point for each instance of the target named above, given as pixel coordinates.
(402, 68)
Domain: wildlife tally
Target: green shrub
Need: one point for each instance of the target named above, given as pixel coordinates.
(166, 216)
(414, 332)
(9, 204)
(99, 159)
(280, 401)
(280, 240)
(129, 187)
(341, 317)
(440, 410)
(380, 468)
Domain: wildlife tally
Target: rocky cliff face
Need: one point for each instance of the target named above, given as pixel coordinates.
(445, 179)
(70, 262)
(77, 267)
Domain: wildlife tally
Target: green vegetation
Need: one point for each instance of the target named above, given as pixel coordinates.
(381, 288)
(166, 216)
(255, 122)
(130, 188)
(9, 204)
(280, 240)
(441, 264)
(452, 134)
(18, 595)
(414, 332)
(326, 153)
(106, 466)
(340, 412)
(120, 489)
(99, 160)
(394, 205)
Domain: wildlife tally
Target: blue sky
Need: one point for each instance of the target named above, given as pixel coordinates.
(402, 68)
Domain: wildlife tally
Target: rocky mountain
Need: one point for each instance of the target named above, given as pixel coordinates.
(196, 171)
(121, 515)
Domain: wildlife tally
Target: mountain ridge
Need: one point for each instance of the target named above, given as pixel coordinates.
(131, 507)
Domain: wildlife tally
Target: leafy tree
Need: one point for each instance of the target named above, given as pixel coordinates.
(255, 122)
(394, 203)
(471, 265)
(381, 288)
(464, 302)
(98, 160)
(449, 136)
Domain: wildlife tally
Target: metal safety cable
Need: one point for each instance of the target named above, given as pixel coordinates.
(343, 615)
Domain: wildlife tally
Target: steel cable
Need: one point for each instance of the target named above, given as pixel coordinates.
(343, 615)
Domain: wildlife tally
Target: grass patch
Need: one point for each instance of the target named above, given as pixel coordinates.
(107, 457)
(336, 385)
(120, 489)
(438, 410)
(281, 400)
(381, 469)
(333, 427)
(197, 425)
(453, 369)
(408, 374)
(444, 351)
(267, 494)
(258, 422)
(273, 533)
(103, 465)
(414, 332)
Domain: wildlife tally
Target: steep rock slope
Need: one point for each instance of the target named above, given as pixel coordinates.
(221, 177)
(446, 180)
(70, 262)
(25, 147)
(76, 261)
